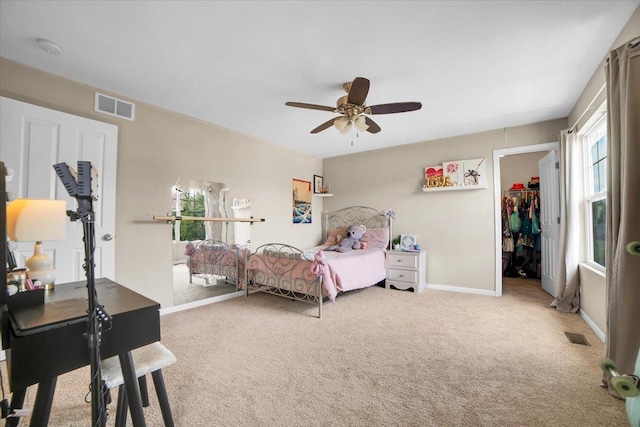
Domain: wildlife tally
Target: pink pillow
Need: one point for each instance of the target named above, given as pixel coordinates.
(331, 239)
(189, 248)
(376, 237)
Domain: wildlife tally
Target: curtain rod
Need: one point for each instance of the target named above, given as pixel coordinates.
(589, 107)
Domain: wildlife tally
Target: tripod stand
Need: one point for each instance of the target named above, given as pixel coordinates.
(80, 188)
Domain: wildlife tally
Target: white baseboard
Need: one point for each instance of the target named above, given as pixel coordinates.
(206, 301)
(461, 289)
(593, 326)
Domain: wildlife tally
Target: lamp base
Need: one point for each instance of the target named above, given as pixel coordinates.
(40, 267)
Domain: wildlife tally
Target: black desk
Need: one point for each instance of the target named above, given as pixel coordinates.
(41, 357)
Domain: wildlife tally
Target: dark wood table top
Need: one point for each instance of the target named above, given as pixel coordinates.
(35, 357)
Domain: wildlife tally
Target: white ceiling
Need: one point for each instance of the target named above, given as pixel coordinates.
(474, 65)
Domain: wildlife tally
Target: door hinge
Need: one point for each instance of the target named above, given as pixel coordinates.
(558, 220)
(557, 165)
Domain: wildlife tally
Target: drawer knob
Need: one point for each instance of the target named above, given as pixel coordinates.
(399, 260)
(400, 275)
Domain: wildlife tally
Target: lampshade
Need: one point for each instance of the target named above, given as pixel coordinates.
(361, 123)
(36, 220)
(343, 124)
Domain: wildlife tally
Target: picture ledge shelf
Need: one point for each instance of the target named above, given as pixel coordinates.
(459, 188)
(323, 194)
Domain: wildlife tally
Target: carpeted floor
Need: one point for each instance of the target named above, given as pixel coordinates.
(185, 292)
(377, 358)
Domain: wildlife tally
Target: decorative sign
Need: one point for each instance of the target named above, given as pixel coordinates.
(408, 241)
(434, 177)
(458, 173)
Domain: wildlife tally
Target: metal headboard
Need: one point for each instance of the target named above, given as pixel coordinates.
(353, 215)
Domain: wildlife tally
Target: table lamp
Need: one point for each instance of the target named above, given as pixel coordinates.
(37, 220)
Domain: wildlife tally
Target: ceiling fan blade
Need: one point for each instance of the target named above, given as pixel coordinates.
(310, 106)
(373, 126)
(398, 107)
(358, 92)
(324, 126)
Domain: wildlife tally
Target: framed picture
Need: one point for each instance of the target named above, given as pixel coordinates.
(301, 202)
(317, 184)
(408, 241)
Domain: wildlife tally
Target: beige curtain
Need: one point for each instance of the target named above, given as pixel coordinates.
(623, 204)
(567, 298)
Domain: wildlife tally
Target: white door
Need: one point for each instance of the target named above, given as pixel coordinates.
(549, 221)
(32, 140)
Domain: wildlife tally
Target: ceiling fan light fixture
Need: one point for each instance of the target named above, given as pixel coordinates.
(361, 123)
(343, 124)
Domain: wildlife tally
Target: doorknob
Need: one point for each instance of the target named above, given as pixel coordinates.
(107, 237)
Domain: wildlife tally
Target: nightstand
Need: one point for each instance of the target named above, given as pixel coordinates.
(406, 270)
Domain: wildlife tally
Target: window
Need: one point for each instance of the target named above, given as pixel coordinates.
(187, 204)
(596, 190)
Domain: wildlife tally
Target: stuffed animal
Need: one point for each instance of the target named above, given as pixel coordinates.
(352, 241)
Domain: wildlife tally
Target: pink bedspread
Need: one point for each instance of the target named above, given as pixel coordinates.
(345, 271)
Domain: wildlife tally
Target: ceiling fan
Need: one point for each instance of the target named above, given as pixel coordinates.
(353, 112)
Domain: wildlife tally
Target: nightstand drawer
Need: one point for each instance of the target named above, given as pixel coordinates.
(402, 261)
(409, 276)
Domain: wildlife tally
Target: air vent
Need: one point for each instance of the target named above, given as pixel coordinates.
(115, 107)
(577, 339)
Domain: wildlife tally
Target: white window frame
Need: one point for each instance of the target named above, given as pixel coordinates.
(593, 134)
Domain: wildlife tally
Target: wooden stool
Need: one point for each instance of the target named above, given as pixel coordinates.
(148, 359)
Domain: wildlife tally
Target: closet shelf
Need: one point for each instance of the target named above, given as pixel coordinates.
(521, 191)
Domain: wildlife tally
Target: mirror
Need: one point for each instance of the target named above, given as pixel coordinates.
(208, 199)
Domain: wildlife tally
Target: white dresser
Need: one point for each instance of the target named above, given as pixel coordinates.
(406, 270)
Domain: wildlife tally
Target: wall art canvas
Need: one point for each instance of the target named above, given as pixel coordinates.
(475, 172)
(301, 202)
(454, 172)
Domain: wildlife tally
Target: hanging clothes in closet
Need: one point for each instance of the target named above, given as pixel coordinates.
(521, 233)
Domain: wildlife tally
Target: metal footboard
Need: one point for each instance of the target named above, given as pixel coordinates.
(285, 271)
(212, 260)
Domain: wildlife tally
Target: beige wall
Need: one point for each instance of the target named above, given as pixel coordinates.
(456, 227)
(153, 152)
(519, 168)
(629, 32)
(593, 295)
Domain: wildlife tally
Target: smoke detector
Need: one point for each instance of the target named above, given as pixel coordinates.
(49, 46)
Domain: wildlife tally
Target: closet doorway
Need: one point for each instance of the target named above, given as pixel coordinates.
(502, 182)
